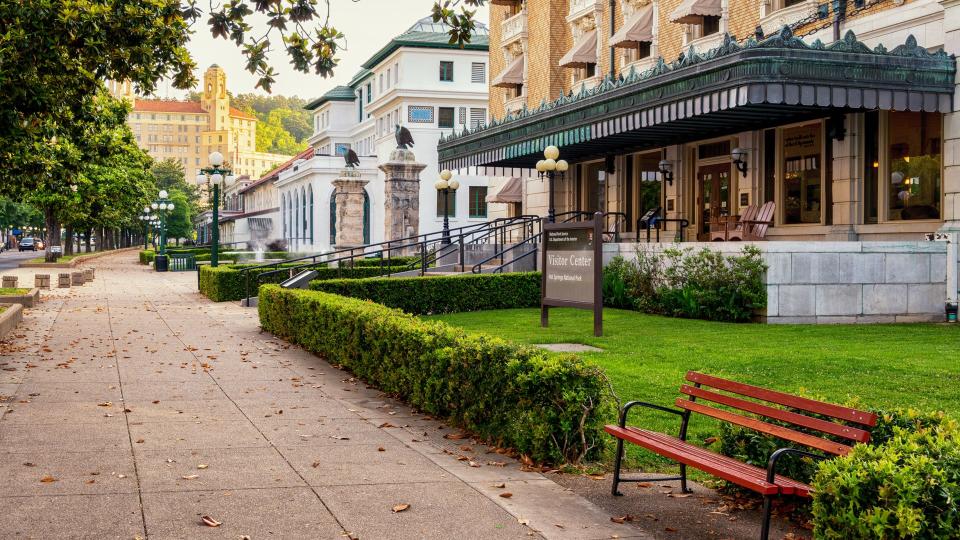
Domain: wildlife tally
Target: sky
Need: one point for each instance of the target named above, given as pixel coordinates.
(367, 24)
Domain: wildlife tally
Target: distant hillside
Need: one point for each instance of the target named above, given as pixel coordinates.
(283, 125)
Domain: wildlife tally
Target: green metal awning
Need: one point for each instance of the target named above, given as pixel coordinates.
(735, 87)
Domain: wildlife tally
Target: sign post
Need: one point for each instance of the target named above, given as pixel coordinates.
(573, 269)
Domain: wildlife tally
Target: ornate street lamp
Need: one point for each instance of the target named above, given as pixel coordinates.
(162, 205)
(445, 185)
(215, 175)
(145, 218)
(550, 168)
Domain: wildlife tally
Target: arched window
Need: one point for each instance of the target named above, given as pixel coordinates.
(311, 214)
(303, 214)
(283, 215)
(296, 216)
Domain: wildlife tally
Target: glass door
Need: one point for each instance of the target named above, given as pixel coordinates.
(713, 184)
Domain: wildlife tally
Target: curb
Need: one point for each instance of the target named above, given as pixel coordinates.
(10, 318)
(76, 261)
(29, 299)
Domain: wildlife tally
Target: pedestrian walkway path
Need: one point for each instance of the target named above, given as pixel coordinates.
(134, 408)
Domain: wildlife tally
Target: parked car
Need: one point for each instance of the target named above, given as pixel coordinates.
(28, 244)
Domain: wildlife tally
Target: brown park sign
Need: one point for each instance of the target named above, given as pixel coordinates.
(572, 269)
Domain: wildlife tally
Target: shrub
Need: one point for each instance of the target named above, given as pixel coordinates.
(147, 256)
(908, 487)
(442, 294)
(547, 406)
(227, 283)
(683, 283)
(404, 260)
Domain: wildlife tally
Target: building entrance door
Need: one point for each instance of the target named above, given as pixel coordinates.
(713, 186)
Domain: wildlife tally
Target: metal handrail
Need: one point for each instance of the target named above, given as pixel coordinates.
(419, 241)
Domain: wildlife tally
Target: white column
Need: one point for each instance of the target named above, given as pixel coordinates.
(951, 125)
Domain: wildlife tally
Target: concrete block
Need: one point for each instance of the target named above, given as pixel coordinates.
(876, 319)
(839, 300)
(88, 274)
(860, 268)
(779, 267)
(938, 268)
(63, 280)
(815, 268)
(76, 278)
(921, 318)
(906, 268)
(9, 282)
(773, 306)
(792, 320)
(797, 301)
(837, 319)
(41, 281)
(926, 298)
(884, 299)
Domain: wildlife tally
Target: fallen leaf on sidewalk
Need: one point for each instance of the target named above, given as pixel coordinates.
(190, 477)
(506, 495)
(621, 519)
(400, 508)
(381, 449)
(386, 425)
(501, 485)
(47, 479)
(105, 404)
(456, 436)
(202, 466)
(210, 522)
(315, 464)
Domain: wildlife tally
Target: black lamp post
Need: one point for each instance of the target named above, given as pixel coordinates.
(445, 185)
(145, 218)
(162, 205)
(550, 168)
(216, 175)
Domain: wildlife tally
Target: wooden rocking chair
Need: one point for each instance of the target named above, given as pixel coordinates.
(756, 228)
(721, 231)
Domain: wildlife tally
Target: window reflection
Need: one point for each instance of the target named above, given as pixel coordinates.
(914, 165)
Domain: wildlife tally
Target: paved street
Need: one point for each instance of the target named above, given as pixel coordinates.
(134, 408)
(12, 259)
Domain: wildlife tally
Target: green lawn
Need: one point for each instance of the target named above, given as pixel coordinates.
(12, 292)
(60, 259)
(646, 356)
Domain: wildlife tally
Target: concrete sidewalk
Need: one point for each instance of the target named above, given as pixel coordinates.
(133, 407)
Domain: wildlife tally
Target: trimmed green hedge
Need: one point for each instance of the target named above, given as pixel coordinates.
(547, 406)
(147, 256)
(226, 282)
(394, 261)
(242, 256)
(442, 294)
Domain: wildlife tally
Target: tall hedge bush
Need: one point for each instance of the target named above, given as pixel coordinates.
(442, 294)
(908, 487)
(225, 283)
(547, 406)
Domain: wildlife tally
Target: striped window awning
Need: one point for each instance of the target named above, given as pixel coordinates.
(584, 51)
(510, 192)
(637, 28)
(512, 75)
(693, 11)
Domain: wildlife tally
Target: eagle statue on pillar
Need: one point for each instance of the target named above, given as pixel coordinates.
(351, 158)
(404, 138)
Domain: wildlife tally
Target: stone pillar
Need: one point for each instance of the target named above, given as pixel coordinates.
(63, 280)
(402, 195)
(349, 196)
(41, 281)
(76, 278)
(847, 182)
(9, 282)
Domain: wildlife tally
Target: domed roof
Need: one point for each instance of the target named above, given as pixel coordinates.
(426, 24)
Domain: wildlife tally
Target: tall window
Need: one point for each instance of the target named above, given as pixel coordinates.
(451, 207)
(478, 117)
(802, 173)
(369, 92)
(311, 213)
(478, 201)
(913, 146)
(446, 71)
(445, 117)
(871, 166)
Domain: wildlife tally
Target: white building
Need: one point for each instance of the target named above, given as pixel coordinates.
(417, 80)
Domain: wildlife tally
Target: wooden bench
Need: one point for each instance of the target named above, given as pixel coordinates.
(844, 426)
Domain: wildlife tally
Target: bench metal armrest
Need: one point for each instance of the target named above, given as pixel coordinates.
(632, 404)
(775, 457)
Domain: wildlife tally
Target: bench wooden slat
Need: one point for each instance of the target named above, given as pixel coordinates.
(798, 419)
(727, 468)
(764, 427)
(788, 400)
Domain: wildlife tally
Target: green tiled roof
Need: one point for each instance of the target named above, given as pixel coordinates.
(359, 77)
(426, 34)
(338, 93)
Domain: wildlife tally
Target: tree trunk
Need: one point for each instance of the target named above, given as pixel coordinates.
(68, 247)
(98, 238)
(53, 233)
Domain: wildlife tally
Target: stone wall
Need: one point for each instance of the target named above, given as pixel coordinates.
(843, 282)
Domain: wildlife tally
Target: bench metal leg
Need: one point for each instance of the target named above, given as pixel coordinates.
(767, 508)
(683, 479)
(616, 469)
